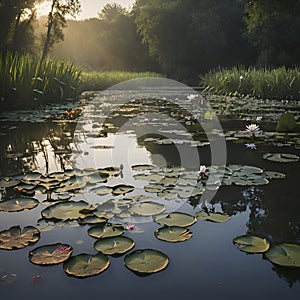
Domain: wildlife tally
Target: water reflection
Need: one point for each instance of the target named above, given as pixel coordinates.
(48, 147)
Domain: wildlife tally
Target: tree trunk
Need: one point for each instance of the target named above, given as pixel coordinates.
(49, 31)
(16, 32)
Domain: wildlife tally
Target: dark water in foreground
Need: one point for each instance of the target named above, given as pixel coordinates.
(208, 265)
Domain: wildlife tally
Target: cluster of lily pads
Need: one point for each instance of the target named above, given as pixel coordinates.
(166, 183)
(286, 255)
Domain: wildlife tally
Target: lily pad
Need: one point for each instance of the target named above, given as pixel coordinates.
(146, 261)
(106, 230)
(8, 279)
(18, 204)
(173, 234)
(287, 255)
(251, 244)
(114, 245)
(122, 189)
(67, 210)
(8, 182)
(176, 219)
(147, 208)
(86, 265)
(142, 167)
(213, 217)
(15, 238)
(281, 157)
(50, 254)
(102, 190)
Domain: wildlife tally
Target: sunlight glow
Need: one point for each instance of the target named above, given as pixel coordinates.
(42, 9)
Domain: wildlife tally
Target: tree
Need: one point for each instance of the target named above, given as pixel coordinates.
(16, 18)
(273, 27)
(57, 21)
(188, 37)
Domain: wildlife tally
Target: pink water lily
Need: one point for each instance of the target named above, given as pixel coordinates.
(64, 249)
(252, 128)
(130, 227)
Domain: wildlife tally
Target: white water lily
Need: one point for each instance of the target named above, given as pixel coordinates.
(251, 146)
(203, 170)
(252, 128)
(192, 97)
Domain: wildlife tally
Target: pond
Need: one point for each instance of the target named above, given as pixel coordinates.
(118, 172)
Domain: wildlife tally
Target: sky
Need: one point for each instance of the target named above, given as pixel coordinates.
(90, 8)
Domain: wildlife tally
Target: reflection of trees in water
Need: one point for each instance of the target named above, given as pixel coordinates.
(29, 145)
(273, 214)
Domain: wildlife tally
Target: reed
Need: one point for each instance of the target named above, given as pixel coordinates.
(26, 81)
(95, 81)
(264, 83)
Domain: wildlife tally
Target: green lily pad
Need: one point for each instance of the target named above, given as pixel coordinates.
(147, 208)
(146, 261)
(114, 245)
(106, 230)
(149, 177)
(173, 234)
(8, 182)
(176, 219)
(50, 254)
(15, 238)
(18, 204)
(274, 175)
(251, 244)
(67, 210)
(8, 279)
(102, 190)
(142, 167)
(213, 217)
(86, 265)
(281, 157)
(287, 255)
(122, 189)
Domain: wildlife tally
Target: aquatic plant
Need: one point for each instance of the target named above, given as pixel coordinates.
(265, 83)
(26, 81)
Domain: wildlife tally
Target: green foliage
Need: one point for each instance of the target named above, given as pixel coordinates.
(26, 81)
(188, 37)
(266, 83)
(60, 9)
(271, 27)
(286, 123)
(103, 80)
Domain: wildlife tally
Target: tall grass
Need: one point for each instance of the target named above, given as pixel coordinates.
(280, 83)
(93, 81)
(26, 81)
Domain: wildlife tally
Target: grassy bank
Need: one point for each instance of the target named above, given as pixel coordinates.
(26, 81)
(95, 81)
(280, 83)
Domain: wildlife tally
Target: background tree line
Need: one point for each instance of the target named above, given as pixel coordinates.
(181, 38)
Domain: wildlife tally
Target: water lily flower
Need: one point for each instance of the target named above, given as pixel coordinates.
(64, 249)
(37, 279)
(258, 119)
(192, 97)
(130, 227)
(203, 170)
(251, 146)
(252, 128)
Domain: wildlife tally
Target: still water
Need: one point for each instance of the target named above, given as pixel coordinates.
(208, 265)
